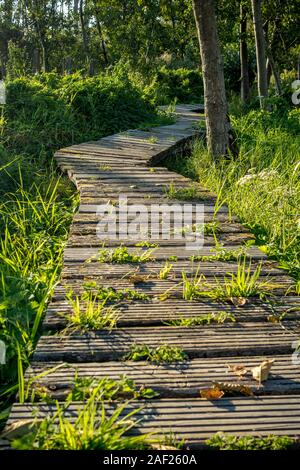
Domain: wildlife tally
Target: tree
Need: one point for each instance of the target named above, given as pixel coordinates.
(245, 87)
(260, 46)
(217, 123)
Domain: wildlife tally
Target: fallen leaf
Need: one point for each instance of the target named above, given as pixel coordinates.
(261, 372)
(238, 301)
(237, 369)
(229, 388)
(211, 393)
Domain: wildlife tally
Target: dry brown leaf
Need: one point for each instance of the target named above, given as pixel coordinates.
(238, 369)
(233, 389)
(19, 429)
(238, 301)
(261, 372)
(211, 393)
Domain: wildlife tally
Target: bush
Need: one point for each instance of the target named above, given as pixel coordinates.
(182, 85)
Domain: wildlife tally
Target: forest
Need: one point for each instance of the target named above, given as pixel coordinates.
(75, 71)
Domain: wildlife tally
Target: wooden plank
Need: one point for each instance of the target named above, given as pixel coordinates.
(82, 254)
(173, 380)
(245, 339)
(89, 237)
(196, 420)
(210, 269)
(152, 313)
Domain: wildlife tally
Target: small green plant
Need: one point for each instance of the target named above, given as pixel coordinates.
(172, 258)
(193, 286)
(165, 271)
(218, 317)
(88, 314)
(161, 354)
(145, 244)
(222, 254)
(184, 194)
(110, 294)
(92, 429)
(121, 255)
(222, 441)
(107, 389)
(244, 283)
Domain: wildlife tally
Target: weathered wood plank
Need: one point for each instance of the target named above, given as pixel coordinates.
(243, 339)
(195, 420)
(173, 380)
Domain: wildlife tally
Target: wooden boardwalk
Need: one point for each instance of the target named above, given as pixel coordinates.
(124, 164)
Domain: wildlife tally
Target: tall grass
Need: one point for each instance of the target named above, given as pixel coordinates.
(34, 228)
(262, 185)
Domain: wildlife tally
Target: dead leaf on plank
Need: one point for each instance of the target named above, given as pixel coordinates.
(238, 301)
(211, 393)
(237, 369)
(234, 389)
(261, 372)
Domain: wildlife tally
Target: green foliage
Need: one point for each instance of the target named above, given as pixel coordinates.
(161, 354)
(108, 389)
(121, 255)
(54, 111)
(222, 441)
(92, 429)
(88, 314)
(217, 317)
(110, 294)
(34, 226)
(175, 85)
(262, 185)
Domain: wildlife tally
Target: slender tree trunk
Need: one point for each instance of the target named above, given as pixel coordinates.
(84, 35)
(100, 33)
(214, 87)
(275, 73)
(260, 44)
(245, 88)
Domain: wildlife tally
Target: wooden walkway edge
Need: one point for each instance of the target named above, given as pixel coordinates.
(131, 163)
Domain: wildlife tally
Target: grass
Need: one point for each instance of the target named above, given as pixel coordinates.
(192, 192)
(34, 226)
(242, 284)
(110, 294)
(161, 354)
(222, 254)
(165, 271)
(221, 441)
(92, 429)
(88, 314)
(121, 255)
(261, 186)
(108, 389)
(215, 317)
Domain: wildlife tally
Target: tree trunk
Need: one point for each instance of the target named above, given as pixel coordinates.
(275, 73)
(245, 88)
(84, 35)
(217, 123)
(260, 45)
(100, 33)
